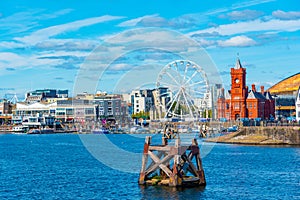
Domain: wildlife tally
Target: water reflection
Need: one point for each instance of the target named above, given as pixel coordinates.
(165, 192)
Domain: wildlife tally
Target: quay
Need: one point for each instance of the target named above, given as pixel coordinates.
(261, 135)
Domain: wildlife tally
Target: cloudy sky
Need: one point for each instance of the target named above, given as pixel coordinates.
(45, 44)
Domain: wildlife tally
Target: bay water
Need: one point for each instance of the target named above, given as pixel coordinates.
(71, 166)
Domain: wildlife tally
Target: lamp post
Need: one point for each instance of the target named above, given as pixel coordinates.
(276, 113)
(279, 113)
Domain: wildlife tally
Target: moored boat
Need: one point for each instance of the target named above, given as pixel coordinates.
(41, 131)
(20, 129)
(100, 131)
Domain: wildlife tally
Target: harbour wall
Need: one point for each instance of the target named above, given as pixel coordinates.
(286, 134)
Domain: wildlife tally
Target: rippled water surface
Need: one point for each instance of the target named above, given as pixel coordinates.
(64, 167)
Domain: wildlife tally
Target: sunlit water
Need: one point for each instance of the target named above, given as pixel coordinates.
(61, 167)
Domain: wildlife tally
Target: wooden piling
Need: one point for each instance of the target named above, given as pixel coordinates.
(144, 160)
(174, 163)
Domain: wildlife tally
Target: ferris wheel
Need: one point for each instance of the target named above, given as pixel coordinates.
(180, 86)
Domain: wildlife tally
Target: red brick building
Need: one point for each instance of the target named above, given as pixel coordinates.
(240, 102)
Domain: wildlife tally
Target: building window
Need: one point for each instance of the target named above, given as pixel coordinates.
(250, 105)
(69, 111)
(236, 105)
(89, 111)
(227, 106)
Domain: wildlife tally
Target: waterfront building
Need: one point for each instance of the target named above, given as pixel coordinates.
(106, 107)
(126, 98)
(297, 104)
(34, 114)
(139, 100)
(161, 98)
(208, 104)
(284, 93)
(83, 107)
(24, 109)
(75, 110)
(62, 94)
(85, 96)
(240, 102)
(111, 108)
(45, 95)
(5, 111)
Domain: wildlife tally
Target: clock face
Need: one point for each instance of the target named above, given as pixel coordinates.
(237, 80)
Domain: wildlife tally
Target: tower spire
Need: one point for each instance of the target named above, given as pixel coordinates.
(238, 62)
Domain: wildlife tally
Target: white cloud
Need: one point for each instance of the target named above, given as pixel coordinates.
(18, 61)
(151, 38)
(250, 3)
(67, 44)
(23, 21)
(11, 45)
(237, 41)
(189, 21)
(13, 60)
(134, 22)
(7, 57)
(252, 26)
(286, 15)
(205, 43)
(46, 33)
(242, 15)
(62, 54)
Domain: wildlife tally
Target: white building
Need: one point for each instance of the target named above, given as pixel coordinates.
(34, 114)
(297, 104)
(138, 101)
(209, 100)
(33, 109)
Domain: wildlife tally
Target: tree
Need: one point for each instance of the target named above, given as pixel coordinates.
(142, 114)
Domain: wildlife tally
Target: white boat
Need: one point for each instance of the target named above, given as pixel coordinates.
(138, 129)
(41, 131)
(100, 131)
(19, 129)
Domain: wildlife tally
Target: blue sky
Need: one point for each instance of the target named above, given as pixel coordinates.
(44, 44)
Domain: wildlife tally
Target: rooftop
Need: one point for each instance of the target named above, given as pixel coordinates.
(288, 85)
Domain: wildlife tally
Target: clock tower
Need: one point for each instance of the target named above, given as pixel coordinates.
(238, 91)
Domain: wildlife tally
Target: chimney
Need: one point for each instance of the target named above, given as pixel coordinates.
(253, 88)
(262, 90)
(222, 92)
